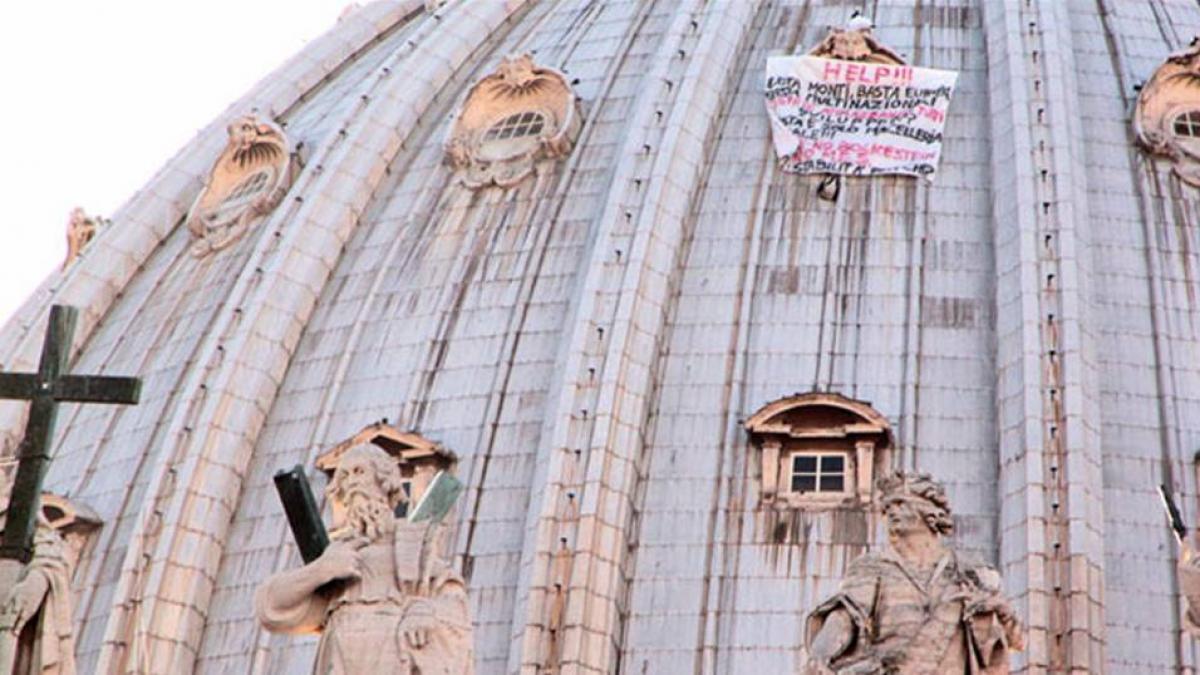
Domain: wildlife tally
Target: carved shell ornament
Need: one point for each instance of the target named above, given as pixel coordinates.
(1166, 119)
(511, 123)
(855, 42)
(247, 182)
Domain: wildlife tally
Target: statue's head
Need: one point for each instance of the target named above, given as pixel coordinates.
(914, 502)
(367, 486)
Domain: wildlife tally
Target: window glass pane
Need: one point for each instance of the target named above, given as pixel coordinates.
(832, 483)
(833, 464)
(802, 483)
(1188, 124)
(515, 126)
(804, 464)
(401, 510)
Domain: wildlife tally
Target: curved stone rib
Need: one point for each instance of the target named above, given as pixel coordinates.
(141, 223)
(1047, 392)
(646, 215)
(230, 387)
(144, 222)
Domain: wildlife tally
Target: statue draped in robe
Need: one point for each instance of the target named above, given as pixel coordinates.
(918, 607)
(1189, 588)
(35, 612)
(382, 598)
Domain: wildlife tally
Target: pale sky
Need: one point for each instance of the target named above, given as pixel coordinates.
(98, 94)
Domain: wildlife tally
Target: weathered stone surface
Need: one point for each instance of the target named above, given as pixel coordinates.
(590, 339)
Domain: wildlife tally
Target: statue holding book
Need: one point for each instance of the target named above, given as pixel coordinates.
(380, 594)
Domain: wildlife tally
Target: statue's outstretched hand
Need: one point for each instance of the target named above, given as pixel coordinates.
(341, 559)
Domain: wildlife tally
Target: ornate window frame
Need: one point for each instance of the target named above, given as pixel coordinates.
(819, 423)
(518, 89)
(257, 154)
(1172, 92)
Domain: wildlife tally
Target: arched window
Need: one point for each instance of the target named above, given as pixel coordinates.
(513, 136)
(249, 189)
(819, 450)
(515, 126)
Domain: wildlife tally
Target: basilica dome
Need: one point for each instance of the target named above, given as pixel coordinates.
(547, 245)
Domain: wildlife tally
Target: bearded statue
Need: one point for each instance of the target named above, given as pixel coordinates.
(381, 596)
(917, 607)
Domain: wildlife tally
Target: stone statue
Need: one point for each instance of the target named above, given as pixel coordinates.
(918, 607)
(382, 598)
(80, 230)
(1189, 588)
(35, 611)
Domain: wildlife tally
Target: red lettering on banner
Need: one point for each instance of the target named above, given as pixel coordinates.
(858, 73)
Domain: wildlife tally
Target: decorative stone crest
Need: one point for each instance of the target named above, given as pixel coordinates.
(919, 606)
(1166, 119)
(381, 595)
(81, 229)
(513, 122)
(246, 183)
(855, 42)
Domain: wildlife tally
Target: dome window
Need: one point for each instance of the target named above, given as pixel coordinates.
(245, 192)
(515, 122)
(1188, 124)
(512, 137)
(1166, 119)
(516, 126)
(818, 472)
(245, 184)
(819, 450)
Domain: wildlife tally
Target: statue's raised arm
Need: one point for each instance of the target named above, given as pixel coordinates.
(919, 606)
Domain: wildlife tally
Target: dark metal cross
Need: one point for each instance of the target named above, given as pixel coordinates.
(46, 388)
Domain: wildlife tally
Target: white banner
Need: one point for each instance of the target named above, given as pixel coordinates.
(857, 119)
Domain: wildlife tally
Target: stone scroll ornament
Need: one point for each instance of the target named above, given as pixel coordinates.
(513, 122)
(381, 596)
(246, 183)
(917, 607)
(1166, 119)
